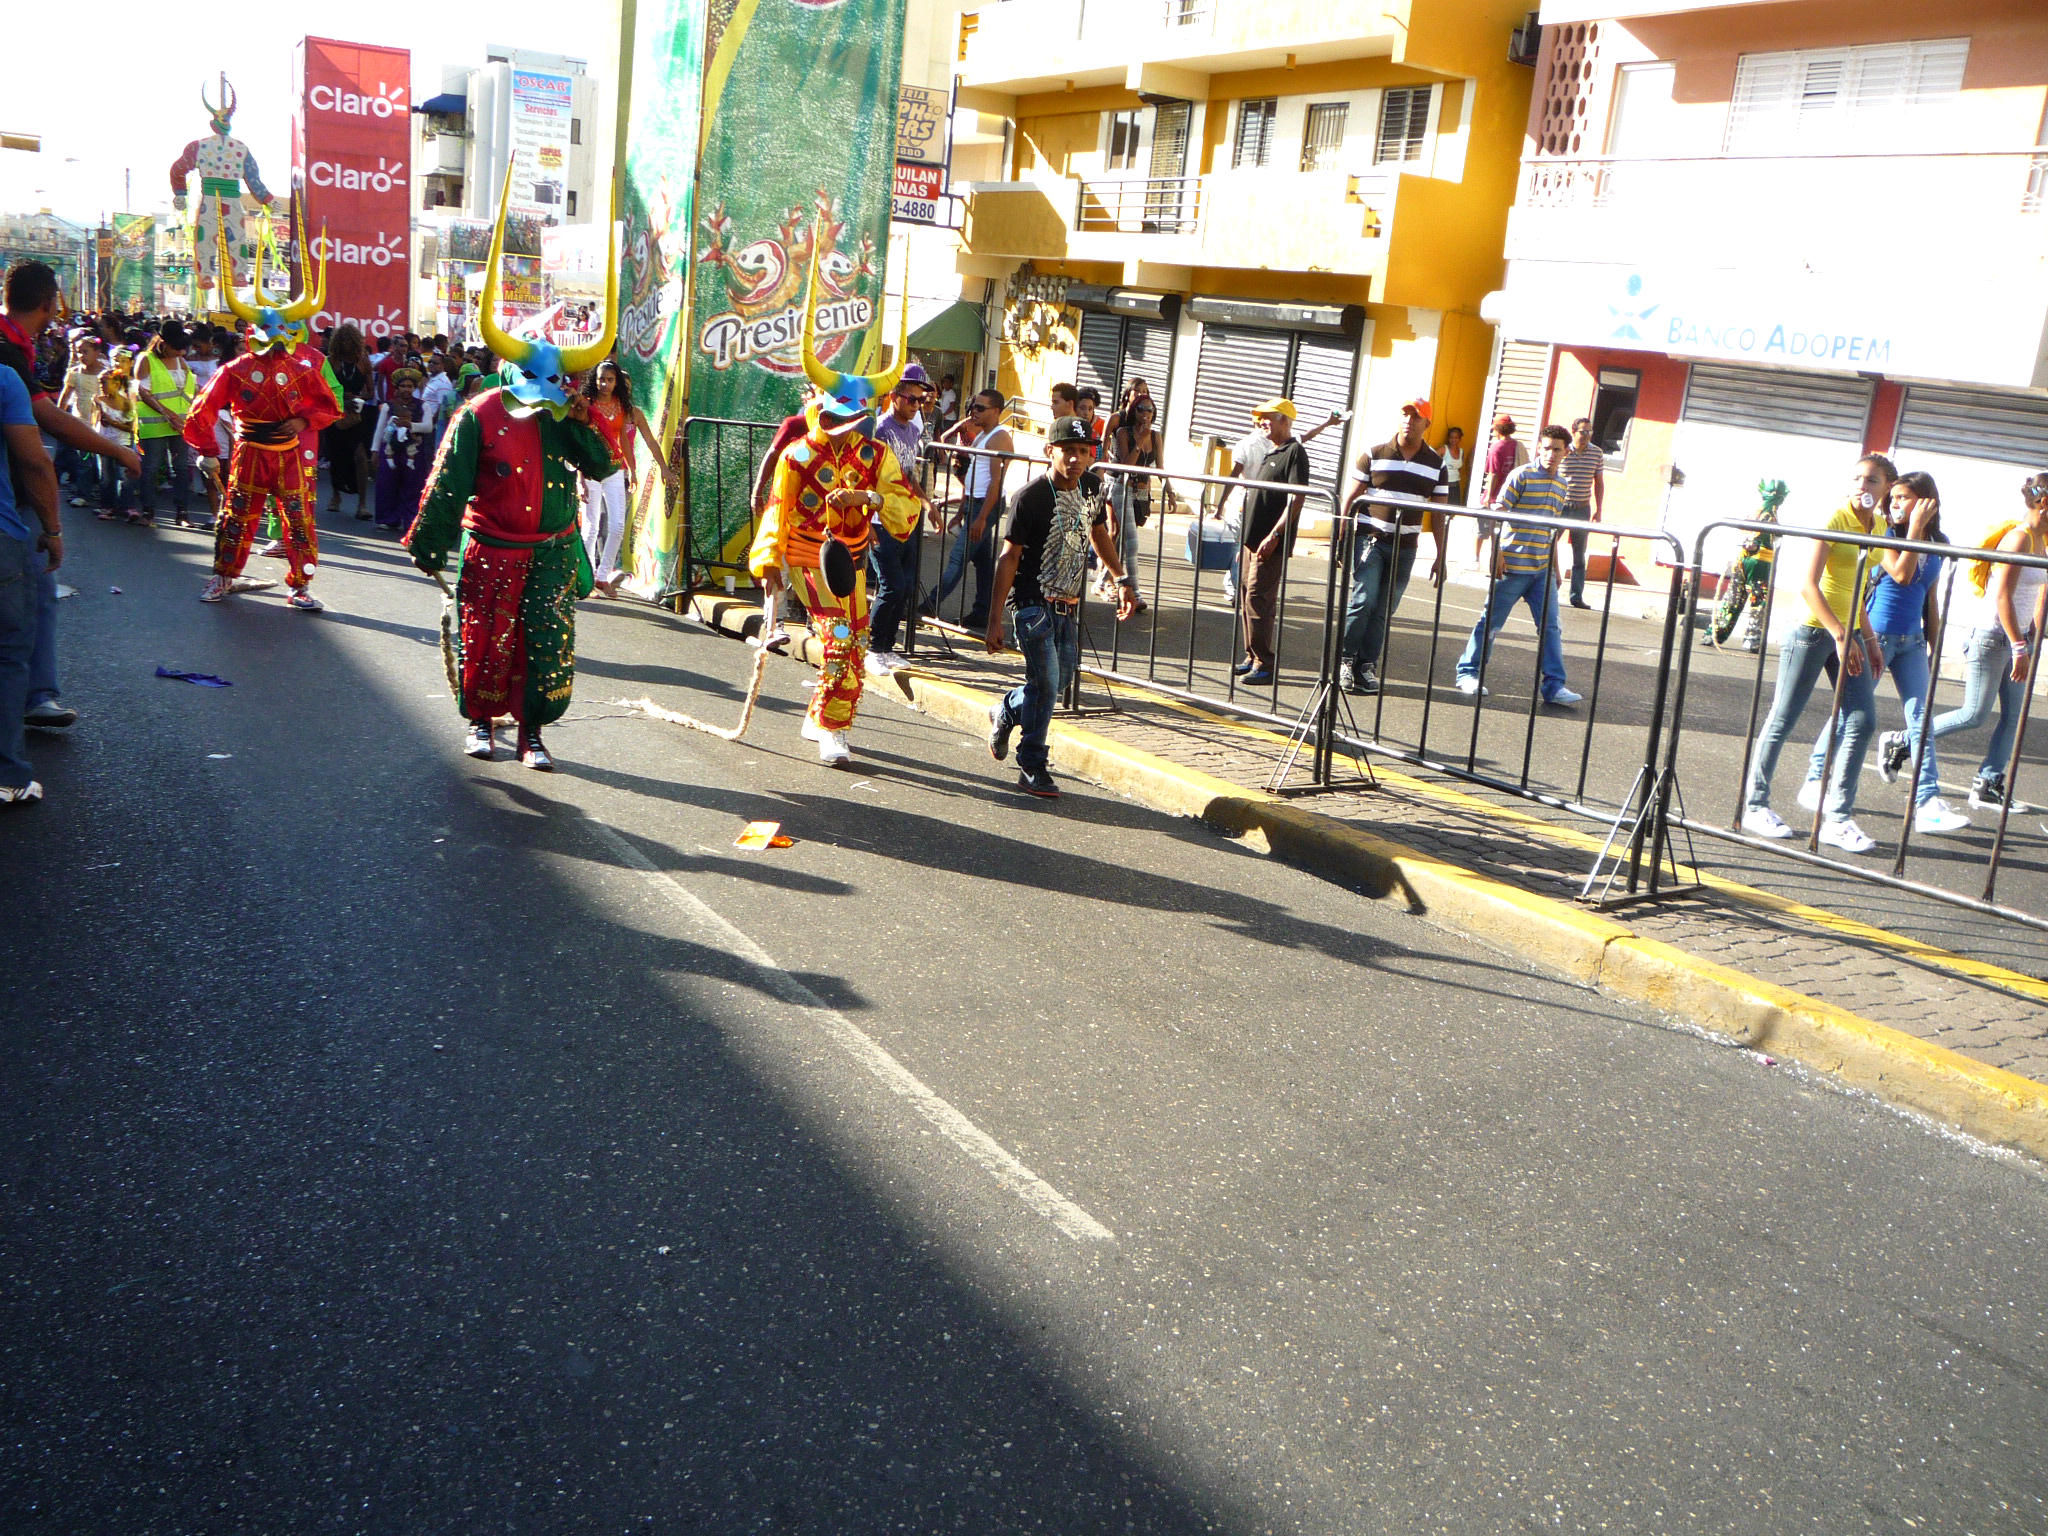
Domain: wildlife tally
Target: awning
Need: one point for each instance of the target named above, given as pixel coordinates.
(447, 104)
(956, 328)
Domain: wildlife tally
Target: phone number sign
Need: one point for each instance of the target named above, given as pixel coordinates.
(921, 193)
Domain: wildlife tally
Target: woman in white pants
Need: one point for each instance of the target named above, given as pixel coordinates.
(618, 421)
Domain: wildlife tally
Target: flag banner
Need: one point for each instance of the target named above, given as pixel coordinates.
(133, 275)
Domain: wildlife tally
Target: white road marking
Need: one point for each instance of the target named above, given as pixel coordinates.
(983, 1149)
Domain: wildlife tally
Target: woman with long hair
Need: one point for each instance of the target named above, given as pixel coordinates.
(347, 442)
(1135, 441)
(618, 421)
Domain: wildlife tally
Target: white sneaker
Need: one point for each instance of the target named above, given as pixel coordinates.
(810, 730)
(1471, 685)
(1762, 821)
(274, 550)
(216, 589)
(1809, 795)
(1847, 836)
(1937, 815)
(20, 794)
(78, 501)
(833, 751)
(1564, 698)
(882, 663)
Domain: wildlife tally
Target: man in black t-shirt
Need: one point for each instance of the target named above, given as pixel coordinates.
(1053, 523)
(1269, 522)
(1385, 539)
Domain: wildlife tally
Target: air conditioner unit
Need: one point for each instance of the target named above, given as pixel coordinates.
(1525, 40)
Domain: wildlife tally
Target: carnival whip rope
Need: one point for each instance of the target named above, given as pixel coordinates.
(653, 710)
(448, 636)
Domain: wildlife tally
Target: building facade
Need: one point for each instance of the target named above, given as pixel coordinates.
(1241, 198)
(1756, 240)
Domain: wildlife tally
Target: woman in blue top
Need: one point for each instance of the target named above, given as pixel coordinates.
(1903, 614)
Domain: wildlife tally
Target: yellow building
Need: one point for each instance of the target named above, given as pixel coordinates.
(1241, 198)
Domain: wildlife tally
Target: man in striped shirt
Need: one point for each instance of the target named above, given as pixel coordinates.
(1585, 495)
(1385, 539)
(1525, 569)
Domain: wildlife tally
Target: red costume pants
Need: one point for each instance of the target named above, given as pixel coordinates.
(842, 626)
(518, 635)
(259, 477)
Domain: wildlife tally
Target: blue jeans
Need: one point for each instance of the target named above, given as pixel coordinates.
(982, 552)
(155, 450)
(1987, 675)
(42, 666)
(1536, 589)
(1370, 607)
(20, 562)
(1801, 661)
(1050, 643)
(892, 577)
(1905, 658)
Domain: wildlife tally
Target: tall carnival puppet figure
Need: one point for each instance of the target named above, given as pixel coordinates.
(272, 395)
(504, 482)
(830, 487)
(223, 164)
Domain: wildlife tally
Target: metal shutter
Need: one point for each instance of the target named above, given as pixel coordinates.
(1237, 368)
(1769, 400)
(1323, 370)
(1148, 355)
(1976, 424)
(1102, 343)
(1519, 375)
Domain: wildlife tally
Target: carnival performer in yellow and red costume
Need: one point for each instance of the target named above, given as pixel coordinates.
(503, 487)
(272, 396)
(831, 486)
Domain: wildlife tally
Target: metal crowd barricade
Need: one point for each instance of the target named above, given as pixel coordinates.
(944, 472)
(1869, 547)
(721, 458)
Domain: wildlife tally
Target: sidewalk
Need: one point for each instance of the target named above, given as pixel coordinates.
(1957, 1038)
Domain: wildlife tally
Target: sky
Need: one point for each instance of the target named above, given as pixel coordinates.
(88, 114)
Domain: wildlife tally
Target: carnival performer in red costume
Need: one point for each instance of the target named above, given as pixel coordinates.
(831, 486)
(272, 397)
(503, 486)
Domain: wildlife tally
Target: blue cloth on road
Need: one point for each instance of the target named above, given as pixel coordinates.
(203, 679)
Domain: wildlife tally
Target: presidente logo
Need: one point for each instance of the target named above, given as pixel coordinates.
(654, 265)
(765, 287)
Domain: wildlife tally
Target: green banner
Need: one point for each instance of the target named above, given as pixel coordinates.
(134, 269)
(663, 128)
(799, 147)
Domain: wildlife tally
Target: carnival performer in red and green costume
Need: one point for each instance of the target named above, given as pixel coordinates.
(504, 484)
(831, 487)
(273, 397)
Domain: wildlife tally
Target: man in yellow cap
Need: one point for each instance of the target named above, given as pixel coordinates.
(1269, 523)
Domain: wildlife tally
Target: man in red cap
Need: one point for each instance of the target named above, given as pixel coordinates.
(1385, 539)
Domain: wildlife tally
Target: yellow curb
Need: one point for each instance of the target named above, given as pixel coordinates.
(1995, 1105)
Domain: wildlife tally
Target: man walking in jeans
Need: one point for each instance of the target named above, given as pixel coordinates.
(1053, 522)
(1385, 541)
(1525, 569)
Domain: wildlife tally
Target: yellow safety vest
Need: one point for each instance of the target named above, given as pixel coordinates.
(165, 386)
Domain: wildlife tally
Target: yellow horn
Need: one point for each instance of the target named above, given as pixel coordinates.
(882, 383)
(511, 348)
(309, 301)
(243, 312)
(825, 378)
(580, 359)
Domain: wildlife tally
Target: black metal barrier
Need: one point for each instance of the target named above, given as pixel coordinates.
(720, 460)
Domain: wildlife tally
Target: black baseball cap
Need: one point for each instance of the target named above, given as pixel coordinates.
(1069, 429)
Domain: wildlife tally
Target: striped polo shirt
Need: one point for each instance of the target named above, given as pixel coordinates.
(1525, 547)
(1422, 476)
(1581, 466)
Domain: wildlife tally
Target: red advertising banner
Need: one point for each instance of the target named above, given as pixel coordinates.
(352, 170)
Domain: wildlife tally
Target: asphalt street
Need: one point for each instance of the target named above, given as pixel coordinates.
(405, 1144)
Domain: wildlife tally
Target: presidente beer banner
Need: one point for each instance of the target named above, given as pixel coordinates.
(351, 160)
(132, 279)
(799, 153)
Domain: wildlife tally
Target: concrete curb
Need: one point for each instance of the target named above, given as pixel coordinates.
(1987, 1102)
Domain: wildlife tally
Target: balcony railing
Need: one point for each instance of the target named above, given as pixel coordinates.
(1807, 188)
(1148, 205)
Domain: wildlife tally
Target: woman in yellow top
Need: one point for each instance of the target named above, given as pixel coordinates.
(1821, 643)
(113, 412)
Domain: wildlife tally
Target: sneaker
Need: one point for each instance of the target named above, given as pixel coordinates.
(774, 639)
(1762, 821)
(479, 742)
(1937, 815)
(50, 716)
(1809, 795)
(1847, 836)
(833, 751)
(1036, 781)
(1564, 698)
(810, 730)
(1347, 675)
(305, 602)
(998, 733)
(882, 663)
(1247, 664)
(21, 794)
(1580, 602)
(1258, 677)
(1469, 685)
(533, 753)
(216, 589)
(274, 550)
(1892, 755)
(1368, 679)
(1988, 793)
(78, 501)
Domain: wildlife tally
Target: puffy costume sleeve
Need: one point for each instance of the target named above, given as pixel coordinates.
(312, 400)
(450, 484)
(769, 539)
(586, 450)
(199, 420)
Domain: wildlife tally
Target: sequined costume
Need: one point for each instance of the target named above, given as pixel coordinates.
(258, 390)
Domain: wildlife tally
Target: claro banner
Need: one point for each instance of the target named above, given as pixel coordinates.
(351, 166)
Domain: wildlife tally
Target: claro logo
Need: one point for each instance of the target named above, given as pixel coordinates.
(386, 322)
(346, 178)
(380, 251)
(384, 101)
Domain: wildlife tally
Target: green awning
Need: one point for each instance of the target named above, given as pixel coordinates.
(956, 328)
